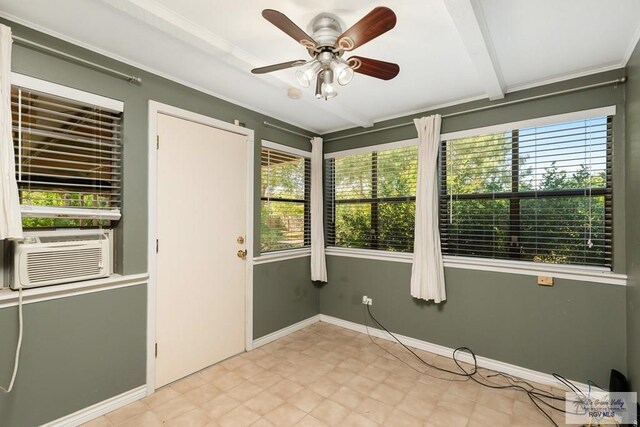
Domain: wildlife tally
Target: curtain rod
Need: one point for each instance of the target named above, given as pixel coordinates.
(489, 107)
(271, 125)
(29, 43)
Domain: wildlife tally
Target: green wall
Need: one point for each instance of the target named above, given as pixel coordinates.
(57, 332)
(633, 213)
(285, 295)
(75, 352)
(506, 317)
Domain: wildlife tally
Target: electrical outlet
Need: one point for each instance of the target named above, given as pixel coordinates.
(369, 301)
(366, 300)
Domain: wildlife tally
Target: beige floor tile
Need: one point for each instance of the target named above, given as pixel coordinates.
(347, 397)
(483, 416)
(227, 381)
(310, 421)
(249, 370)
(219, 405)
(496, 399)
(306, 400)
(285, 388)
(212, 372)
(189, 383)
(123, 414)
(203, 393)
(161, 396)
(193, 418)
(452, 402)
(418, 408)
(324, 386)
(361, 384)
(325, 375)
(146, 419)
(330, 413)
(356, 420)
(467, 389)
(400, 418)
(244, 391)
(374, 410)
(174, 408)
(266, 379)
(98, 422)
(263, 422)
(445, 418)
(285, 415)
(239, 417)
(264, 402)
(387, 394)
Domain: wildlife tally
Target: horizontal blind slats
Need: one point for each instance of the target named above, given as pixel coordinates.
(68, 153)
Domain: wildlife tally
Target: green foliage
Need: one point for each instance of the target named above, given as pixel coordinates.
(69, 200)
(548, 229)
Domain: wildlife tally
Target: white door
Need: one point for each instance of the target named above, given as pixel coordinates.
(200, 278)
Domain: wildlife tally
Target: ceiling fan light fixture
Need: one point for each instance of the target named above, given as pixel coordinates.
(306, 75)
(319, 85)
(328, 88)
(342, 71)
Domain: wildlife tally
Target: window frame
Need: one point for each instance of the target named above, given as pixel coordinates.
(515, 196)
(373, 200)
(289, 253)
(593, 274)
(80, 96)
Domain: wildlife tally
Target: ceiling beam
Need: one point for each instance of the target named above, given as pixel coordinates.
(175, 25)
(468, 18)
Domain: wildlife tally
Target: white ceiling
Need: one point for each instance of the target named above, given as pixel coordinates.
(449, 51)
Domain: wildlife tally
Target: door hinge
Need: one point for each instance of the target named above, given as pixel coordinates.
(157, 245)
(157, 141)
(156, 349)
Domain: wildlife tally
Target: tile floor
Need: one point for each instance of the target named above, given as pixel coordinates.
(325, 375)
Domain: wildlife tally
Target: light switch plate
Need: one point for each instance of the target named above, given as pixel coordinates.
(545, 280)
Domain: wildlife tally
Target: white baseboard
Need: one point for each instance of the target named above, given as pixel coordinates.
(94, 411)
(285, 331)
(484, 362)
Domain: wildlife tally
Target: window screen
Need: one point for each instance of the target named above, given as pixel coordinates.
(285, 197)
(538, 194)
(371, 199)
(68, 157)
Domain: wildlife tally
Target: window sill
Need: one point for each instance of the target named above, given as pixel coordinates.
(585, 274)
(9, 298)
(281, 255)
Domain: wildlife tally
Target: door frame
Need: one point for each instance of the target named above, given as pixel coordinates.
(156, 108)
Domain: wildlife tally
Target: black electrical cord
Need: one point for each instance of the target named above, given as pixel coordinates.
(535, 394)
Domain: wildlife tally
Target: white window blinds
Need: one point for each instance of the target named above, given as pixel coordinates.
(371, 199)
(68, 160)
(539, 194)
(285, 198)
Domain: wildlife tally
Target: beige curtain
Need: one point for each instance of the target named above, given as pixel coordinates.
(318, 262)
(10, 220)
(427, 273)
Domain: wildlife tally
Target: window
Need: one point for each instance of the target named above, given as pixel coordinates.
(68, 156)
(285, 197)
(371, 198)
(538, 194)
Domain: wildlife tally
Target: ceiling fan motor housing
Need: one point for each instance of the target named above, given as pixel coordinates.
(326, 30)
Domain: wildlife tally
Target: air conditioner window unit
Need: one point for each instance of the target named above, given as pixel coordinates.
(47, 258)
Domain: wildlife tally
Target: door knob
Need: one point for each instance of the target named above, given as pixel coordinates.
(242, 254)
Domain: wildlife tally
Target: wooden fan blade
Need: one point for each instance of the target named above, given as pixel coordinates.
(374, 67)
(377, 22)
(276, 67)
(281, 21)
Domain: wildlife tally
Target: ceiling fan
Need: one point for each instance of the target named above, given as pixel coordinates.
(327, 45)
